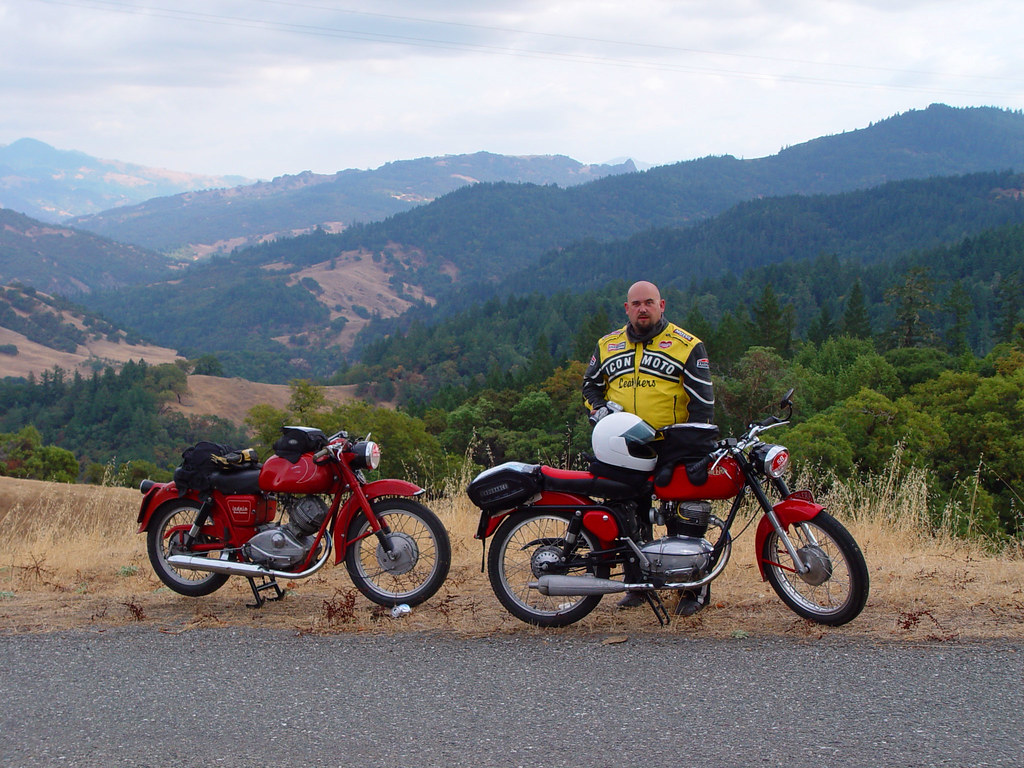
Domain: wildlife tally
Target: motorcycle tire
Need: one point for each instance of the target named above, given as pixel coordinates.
(422, 549)
(163, 536)
(525, 540)
(836, 588)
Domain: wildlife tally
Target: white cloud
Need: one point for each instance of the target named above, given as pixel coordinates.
(265, 87)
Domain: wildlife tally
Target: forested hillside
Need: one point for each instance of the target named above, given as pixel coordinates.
(109, 418)
(958, 298)
(245, 313)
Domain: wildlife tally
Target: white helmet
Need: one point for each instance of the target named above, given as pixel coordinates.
(622, 440)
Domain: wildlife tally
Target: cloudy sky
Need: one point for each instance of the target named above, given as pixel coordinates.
(267, 87)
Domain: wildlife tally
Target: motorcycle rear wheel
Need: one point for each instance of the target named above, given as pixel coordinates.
(836, 589)
(422, 554)
(164, 538)
(521, 542)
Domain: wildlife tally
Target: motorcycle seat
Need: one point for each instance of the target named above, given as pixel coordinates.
(586, 483)
(244, 481)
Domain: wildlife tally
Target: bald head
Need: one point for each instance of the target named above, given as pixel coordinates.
(644, 306)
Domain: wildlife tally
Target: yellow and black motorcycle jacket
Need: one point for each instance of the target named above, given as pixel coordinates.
(664, 378)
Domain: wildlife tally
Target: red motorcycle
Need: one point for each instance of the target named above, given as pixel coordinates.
(227, 515)
(563, 539)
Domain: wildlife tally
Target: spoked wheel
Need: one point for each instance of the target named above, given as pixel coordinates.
(166, 536)
(835, 588)
(527, 545)
(419, 560)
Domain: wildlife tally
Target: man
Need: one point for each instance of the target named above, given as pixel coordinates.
(658, 371)
(650, 367)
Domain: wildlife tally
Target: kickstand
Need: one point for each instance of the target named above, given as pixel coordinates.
(266, 583)
(654, 600)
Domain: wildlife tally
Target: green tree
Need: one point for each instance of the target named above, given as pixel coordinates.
(208, 365)
(596, 326)
(912, 301)
(856, 322)
(772, 323)
(958, 304)
(822, 327)
(23, 455)
(754, 387)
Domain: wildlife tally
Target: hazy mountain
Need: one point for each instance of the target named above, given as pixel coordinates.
(63, 261)
(197, 223)
(54, 185)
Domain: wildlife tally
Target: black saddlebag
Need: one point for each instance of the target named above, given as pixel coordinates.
(687, 444)
(203, 461)
(505, 486)
(295, 441)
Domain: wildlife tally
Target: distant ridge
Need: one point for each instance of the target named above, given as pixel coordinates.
(54, 185)
(195, 224)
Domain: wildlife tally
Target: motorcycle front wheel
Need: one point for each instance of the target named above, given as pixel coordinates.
(835, 588)
(420, 556)
(527, 545)
(165, 537)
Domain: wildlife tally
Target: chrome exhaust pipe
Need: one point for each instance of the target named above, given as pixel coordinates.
(249, 570)
(581, 585)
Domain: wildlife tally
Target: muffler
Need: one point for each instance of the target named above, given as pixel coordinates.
(249, 570)
(581, 585)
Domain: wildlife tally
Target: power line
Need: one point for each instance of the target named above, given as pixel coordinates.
(242, 22)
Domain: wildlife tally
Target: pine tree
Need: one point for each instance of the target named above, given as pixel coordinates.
(856, 322)
(822, 327)
(913, 303)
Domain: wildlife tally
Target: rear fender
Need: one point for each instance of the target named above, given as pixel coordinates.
(154, 496)
(790, 510)
(489, 521)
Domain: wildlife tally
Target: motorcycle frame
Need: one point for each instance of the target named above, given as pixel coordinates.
(350, 495)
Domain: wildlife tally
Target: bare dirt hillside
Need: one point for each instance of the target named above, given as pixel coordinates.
(357, 285)
(35, 358)
(231, 399)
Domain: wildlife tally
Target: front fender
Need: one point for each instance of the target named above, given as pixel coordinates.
(790, 510)
(391, 487)
(156, 495)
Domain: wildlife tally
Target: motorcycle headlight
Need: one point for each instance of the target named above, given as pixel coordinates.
(772, 459)
(367, 455)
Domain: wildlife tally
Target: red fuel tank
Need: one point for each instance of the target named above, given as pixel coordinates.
(724, 482)
(304, 476)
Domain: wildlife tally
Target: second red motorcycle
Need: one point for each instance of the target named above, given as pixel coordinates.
(227, 515)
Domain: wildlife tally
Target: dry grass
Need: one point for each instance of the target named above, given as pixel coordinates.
(70, 558)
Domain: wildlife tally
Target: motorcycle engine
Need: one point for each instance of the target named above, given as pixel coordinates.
(677, 556)
(283, 546)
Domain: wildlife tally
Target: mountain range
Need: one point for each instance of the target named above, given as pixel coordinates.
(303, 300)
(197, 223)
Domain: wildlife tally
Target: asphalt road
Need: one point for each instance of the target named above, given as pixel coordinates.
(240, 698)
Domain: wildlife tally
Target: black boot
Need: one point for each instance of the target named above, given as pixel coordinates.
(632, 599)
(693, 600)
